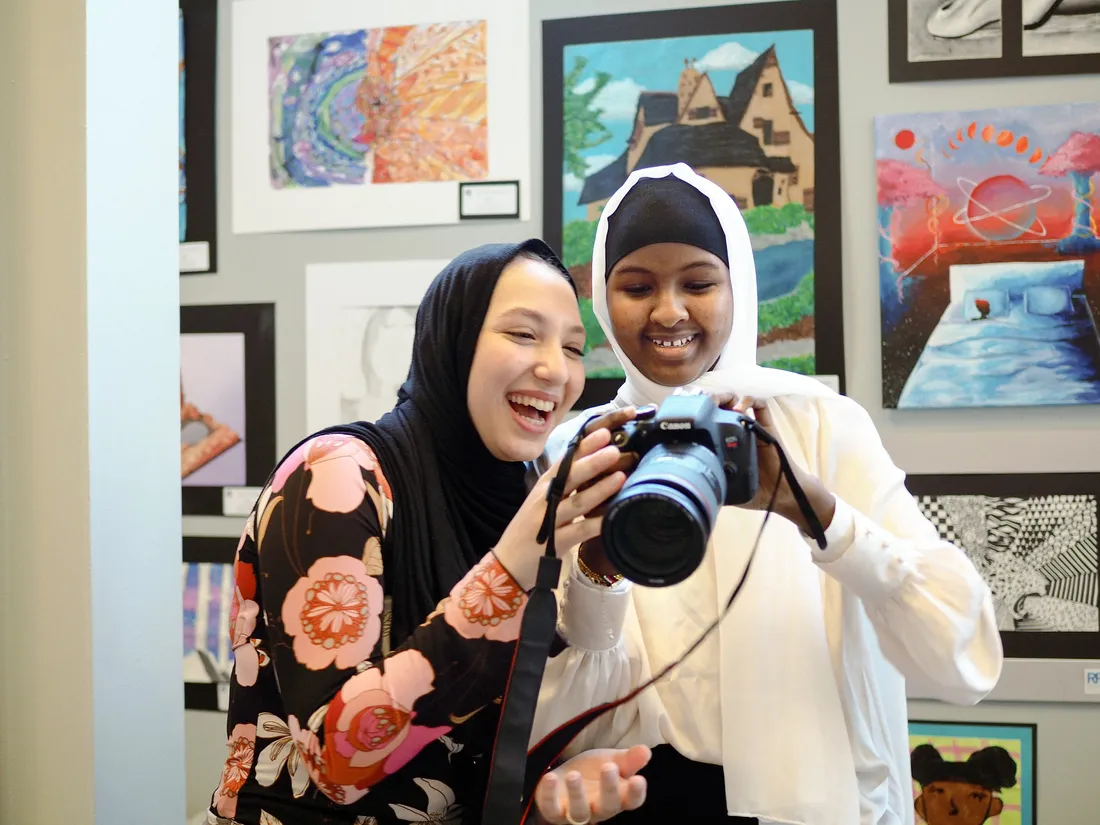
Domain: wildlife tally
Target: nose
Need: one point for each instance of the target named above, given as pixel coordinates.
(550, 367)
(954, 810)
(670, 309)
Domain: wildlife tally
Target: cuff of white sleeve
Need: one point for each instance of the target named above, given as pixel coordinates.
(861, 556)
(591, 615)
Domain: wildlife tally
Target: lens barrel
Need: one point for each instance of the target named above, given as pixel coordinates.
(656, 529)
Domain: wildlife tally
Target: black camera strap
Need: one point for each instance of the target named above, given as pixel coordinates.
(514, 771)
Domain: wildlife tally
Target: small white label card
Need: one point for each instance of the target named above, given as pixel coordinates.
(488, 199)
(1092, 681)
(238, 501)
(223, 696)
(195, 256)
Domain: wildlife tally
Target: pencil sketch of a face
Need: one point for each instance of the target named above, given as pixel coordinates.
(379, 341)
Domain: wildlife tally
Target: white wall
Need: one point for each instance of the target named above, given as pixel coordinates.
(90, 613)
(271, 268)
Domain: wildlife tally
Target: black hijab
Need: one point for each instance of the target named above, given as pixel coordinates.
(452, 498)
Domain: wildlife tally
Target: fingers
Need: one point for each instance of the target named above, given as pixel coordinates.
(634, 794)
(582, 502)
(610, 792)
(633, 759)
(612, 420)
(591, 466)
(546, 799)
(579, 809)
(578, 532)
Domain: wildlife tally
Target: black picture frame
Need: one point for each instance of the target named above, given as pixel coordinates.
(200, 48)
(1024, 644)
(257, 323)
(817, 15)
(211, 550)
(1011, 63)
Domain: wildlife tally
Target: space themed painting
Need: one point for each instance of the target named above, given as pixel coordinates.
(989, 262)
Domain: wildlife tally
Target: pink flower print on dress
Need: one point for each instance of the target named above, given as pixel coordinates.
(334, 613)
(336, 463)
(371, 718)
(242, 751)
(487, 603)
(242, 622)
(309, 746)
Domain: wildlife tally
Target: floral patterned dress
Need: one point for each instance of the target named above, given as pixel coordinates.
(326, 723)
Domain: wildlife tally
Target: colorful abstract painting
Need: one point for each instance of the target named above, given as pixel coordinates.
(973, 773)
(207, 606)
(401, 104)
(989, 263)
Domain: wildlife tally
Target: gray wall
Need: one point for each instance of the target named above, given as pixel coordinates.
(271, 268)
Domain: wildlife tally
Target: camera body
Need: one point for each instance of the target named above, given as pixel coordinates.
(694, 458)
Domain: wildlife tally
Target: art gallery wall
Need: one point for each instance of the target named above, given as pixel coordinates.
(260, 268)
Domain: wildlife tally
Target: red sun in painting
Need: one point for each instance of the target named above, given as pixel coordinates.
(905, 139)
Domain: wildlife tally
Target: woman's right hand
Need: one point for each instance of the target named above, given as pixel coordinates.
(594, 478)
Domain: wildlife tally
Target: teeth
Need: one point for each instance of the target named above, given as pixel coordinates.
(675, 342)
(537, 403)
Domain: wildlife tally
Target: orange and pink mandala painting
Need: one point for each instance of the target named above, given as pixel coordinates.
(400, 104)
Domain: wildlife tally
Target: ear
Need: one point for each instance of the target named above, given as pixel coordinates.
(918, 806)
(995, 807)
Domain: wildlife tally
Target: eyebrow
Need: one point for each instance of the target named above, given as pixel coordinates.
(637, 269)
(538, 317)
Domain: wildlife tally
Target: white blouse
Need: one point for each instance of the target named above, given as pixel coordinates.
(801, 696)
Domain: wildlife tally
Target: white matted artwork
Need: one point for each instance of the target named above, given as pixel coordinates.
(359, 336)
(349, 114)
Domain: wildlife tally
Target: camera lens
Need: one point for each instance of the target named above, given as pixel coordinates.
(656, 529)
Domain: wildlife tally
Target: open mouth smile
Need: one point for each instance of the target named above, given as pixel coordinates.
(672, 343)
(531, 412)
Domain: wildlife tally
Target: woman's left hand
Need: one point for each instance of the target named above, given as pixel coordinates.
(593, 786)
(770, 471)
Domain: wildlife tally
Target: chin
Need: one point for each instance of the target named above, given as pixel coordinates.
(518, 451)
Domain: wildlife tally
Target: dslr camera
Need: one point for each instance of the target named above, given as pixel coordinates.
(694, 458)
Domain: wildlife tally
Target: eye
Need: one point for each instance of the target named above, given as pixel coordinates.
(522, 335)
(636, 290)
(700, 286)
(577, 351)
(978, 795)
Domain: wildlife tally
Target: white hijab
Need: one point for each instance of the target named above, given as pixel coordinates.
(736, 369)
(785, 749)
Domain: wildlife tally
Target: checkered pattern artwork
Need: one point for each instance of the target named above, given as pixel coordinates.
(1038, 554)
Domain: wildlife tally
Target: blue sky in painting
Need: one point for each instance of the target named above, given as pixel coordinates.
(655, 65)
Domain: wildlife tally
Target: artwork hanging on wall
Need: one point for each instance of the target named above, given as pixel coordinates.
(747, 96)
(989, 262)
(197, 89)
(350, 115)
(208, 589)
(957, 39)
(359, 336)
(973, 772)
(1033, 538)
(227, 401)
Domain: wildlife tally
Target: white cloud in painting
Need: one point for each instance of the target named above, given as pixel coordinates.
(800, 92)
(729, 55)
(618, 99)
(593, 163)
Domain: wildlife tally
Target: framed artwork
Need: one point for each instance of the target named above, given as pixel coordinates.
(360, 320)
(989, 263)
(207, 616)
(227, 401)
(197, 87)
(973, 772)
(747, 96)
(1034, 540)
(962, 39)
(350, 114)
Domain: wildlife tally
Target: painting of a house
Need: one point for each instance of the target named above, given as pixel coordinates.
(739, 109)
(751, 141)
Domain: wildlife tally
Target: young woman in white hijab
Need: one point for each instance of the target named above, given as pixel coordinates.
(800, 696)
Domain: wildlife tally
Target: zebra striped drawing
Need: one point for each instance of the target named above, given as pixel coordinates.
(1034, 540)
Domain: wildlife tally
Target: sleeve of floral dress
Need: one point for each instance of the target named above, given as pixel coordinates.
(358, 716)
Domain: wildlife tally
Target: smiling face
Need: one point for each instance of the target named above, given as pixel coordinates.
(527, 371)
(957, 803)
(671, 309)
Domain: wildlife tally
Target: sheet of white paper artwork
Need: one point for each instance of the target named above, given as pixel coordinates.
(359, 336)
(355, 114)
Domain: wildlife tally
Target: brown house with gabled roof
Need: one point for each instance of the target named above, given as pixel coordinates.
(752, 142)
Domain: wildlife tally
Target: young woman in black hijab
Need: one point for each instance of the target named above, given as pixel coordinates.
(382, 577)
